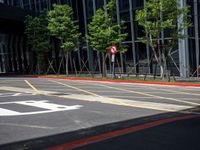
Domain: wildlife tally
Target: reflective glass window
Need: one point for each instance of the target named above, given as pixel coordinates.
(32, 4)
(1, 1)
(26, 4)
(43, 4)
(99, 4)
(123, 4)
(16, 3)
(89, 8)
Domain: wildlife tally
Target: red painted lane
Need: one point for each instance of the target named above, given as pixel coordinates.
(119, 81)
(109, 135)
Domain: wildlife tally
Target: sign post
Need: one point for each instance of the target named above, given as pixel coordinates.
(113, 51)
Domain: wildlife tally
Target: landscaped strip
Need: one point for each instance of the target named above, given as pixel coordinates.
(121, 81)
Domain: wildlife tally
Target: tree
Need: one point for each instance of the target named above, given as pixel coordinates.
(159, 17)
(38, 36)
(104, 32)
(62, 26)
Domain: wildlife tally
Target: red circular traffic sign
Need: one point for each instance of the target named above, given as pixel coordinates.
(113, 50)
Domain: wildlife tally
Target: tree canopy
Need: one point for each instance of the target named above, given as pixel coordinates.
(62, 26)
(37, 32)
(104, 31)
(38, 37)
(161, 19)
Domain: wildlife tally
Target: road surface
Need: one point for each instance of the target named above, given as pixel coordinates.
(53, 113)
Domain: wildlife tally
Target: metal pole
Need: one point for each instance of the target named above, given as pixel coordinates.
(183, 47)
(89, 52)
(196, 24)
(148, 49)
(113, 65)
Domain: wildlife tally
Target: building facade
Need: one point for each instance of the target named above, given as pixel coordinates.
(15, 55)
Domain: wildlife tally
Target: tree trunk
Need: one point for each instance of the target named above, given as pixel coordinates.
(103, 65)
(39, 63)
(66, 64)
(162, 71)
(164, 63)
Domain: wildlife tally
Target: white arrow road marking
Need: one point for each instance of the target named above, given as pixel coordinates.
(8, 112)
(44, 104)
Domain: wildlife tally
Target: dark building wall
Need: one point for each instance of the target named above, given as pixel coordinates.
(14, 54)
(138, 58)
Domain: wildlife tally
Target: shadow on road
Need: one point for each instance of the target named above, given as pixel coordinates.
(177, 130)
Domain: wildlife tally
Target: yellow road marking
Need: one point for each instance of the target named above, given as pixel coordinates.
(150, 95)
(108, 101)
(129, 96)
(111, 100)
(14, 90)
(73, 87)
(119, 103)
(34, 88)
(177, 92)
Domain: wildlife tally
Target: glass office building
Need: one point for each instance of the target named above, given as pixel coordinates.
(16, 56)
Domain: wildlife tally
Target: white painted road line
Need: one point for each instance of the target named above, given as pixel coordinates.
(4, 112)
(24, 90)
(44, 104)
(26, 125)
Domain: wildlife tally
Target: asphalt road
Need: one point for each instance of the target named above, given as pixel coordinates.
(43, 113)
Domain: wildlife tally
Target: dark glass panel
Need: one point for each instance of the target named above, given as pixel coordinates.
(99, 4)
(123, 5)
(16, 3)
(26, 4)
(89, 8)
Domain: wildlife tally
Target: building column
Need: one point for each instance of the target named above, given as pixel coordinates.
(118, 22)
(148, 50)
(2, 67)
(12, 3)
(21, 4)
(39, 4)
(98, 53)
(132, 34)
(196, 25)
(89, 51)
(30, 7)
(35, 4)
(183, 48)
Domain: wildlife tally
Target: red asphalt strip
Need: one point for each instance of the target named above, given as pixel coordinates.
(109, 135)
(117, 81)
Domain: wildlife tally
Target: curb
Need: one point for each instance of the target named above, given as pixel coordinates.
(119, 81)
